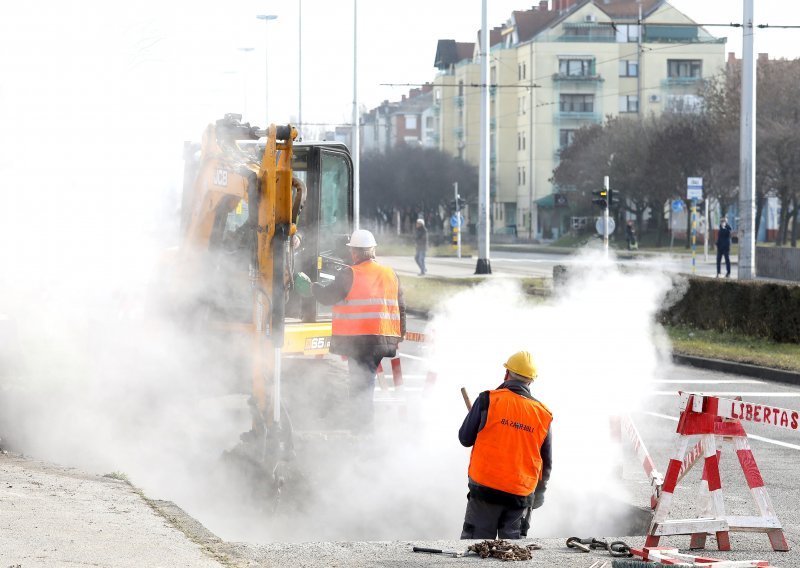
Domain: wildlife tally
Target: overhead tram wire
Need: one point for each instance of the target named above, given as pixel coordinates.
(529, 86)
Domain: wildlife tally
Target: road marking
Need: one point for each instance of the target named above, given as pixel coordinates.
(751, 436)
(711, 382)
(735, 393)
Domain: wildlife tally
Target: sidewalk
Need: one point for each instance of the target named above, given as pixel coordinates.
(57, 516)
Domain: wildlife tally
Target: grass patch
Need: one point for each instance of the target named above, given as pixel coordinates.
(731, 346)
(426, 293)
(119, 476)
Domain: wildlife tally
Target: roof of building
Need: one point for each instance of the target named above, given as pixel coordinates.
(449, 52)
(531, 22)
(627, 8)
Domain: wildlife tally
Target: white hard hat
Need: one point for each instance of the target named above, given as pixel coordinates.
(362, 239)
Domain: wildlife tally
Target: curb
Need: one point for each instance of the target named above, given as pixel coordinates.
(745, 369)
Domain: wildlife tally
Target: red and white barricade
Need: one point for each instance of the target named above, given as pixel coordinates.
(625, 432)
(717, 420)
(671, 556)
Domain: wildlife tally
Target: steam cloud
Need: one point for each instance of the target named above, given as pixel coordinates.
(90, 158)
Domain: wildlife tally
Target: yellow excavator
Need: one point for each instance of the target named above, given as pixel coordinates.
(257, 207)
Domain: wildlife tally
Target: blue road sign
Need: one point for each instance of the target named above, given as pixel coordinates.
(677, 205)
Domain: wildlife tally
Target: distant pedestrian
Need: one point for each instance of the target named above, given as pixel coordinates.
(724, 246)
(630, 236)
(511, 459)
(421, 243)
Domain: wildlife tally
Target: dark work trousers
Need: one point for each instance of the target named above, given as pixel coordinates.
(724, 251)
(420, 258)
(362, 391)
(489, 521)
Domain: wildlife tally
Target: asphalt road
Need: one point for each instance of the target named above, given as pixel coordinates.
(541, 264)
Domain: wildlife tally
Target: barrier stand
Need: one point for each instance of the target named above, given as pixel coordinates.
(665, 555)
(716, 420)
(640, 450)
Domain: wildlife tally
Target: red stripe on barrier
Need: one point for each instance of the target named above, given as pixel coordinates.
(649, 466)
(671, 477)
(397, 373)
(750, 468)
(430, 379)
(712, 473)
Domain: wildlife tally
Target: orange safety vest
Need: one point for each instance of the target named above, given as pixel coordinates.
(506, 455)
(371, 306)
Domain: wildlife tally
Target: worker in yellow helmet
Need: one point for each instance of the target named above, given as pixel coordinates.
(509, 467)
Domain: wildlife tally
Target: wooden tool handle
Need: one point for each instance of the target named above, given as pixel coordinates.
(466, 398)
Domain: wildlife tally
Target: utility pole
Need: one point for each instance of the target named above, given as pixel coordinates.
(484, 264)
(606, 228)
(457, 228)
(747, 174)
(355, 144)
(300, 65)
(529, 141)
(267, 18)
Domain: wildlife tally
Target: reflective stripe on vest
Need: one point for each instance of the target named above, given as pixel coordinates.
(371, 306)
(506, 455)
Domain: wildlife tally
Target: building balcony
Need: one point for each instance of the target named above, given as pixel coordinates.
(492, 123)
(562, 77)
(458, 132)
(681, 82)
(458, 100)
(575, 115)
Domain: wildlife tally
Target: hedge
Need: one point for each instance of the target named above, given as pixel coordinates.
(762, 309)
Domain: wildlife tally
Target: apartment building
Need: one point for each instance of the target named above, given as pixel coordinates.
(408, 121)
(553, 69)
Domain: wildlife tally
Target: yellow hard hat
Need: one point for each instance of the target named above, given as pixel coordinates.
(521, 363)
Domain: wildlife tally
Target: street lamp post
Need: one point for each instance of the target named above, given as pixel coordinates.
(300, 64)
(244, 50)
(266, 18)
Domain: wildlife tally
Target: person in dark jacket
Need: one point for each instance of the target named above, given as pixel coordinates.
(724, 246)
(630, 235)
(511, 458)
(421, 242)
(369, 320)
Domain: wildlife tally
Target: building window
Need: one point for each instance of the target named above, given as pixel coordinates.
(461, 88)
(627, 33)
(628, 69)
(523, 175)
(678, 68)
(628, 103)
(576, 103)
(522, 71)
(576, 67)
(411, 122)
(429, 122)
(565, 137)
(687, 104)
(521, 107)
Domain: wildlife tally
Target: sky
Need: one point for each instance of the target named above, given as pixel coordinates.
(192, 61)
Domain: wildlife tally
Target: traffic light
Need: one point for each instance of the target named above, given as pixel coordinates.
(603, 198)
(457, 204)
(610, 197)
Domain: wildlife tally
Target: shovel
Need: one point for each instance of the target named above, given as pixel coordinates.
(453, 553)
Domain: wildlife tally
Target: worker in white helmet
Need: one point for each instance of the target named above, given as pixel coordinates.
(369, 319)
(510, 463)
